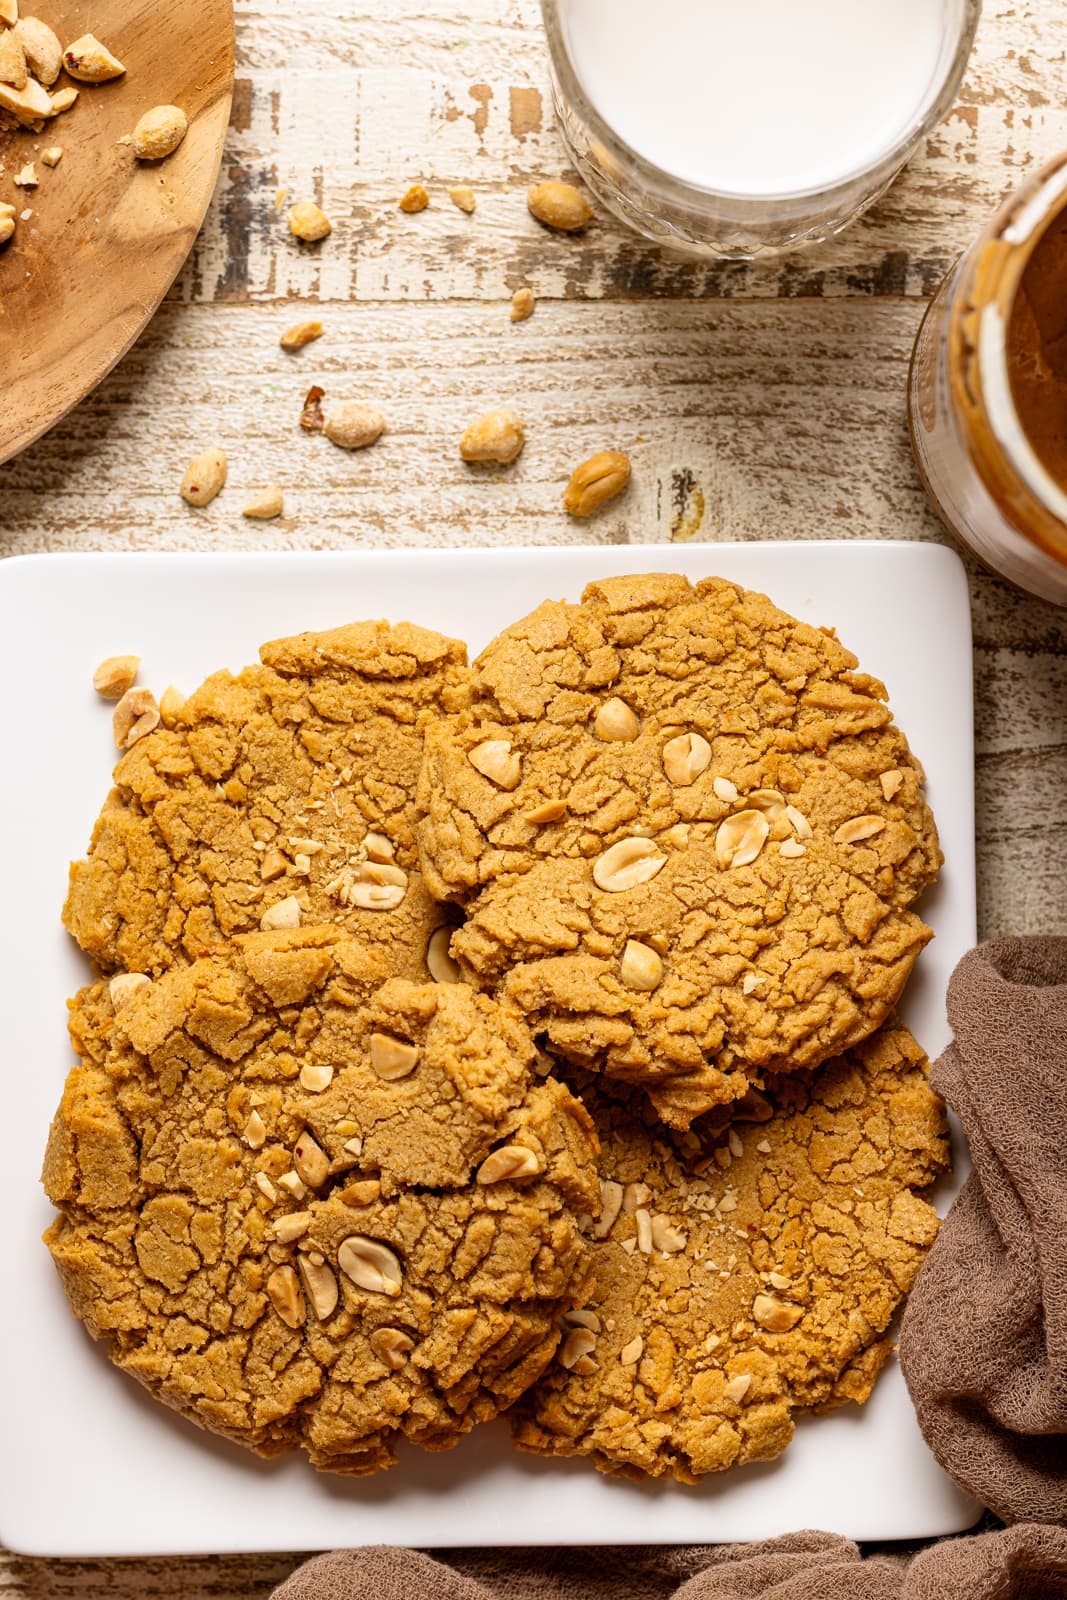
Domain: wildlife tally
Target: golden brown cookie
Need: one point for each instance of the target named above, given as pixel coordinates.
(309, 1209)
(286, 792)
(744, 1272)
(686, 833)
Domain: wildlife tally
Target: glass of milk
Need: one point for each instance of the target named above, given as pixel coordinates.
(743, 127)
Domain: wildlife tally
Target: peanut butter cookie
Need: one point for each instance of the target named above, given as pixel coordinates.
(744, 1272)
(686, 833)
(279, 797)
(309, 1209)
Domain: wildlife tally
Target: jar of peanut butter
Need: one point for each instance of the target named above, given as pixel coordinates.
(987, 394)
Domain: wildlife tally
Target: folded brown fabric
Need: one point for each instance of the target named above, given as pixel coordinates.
(984, 1342)
(1022, 1563)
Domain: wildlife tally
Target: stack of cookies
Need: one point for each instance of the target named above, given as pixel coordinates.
(516, 1037)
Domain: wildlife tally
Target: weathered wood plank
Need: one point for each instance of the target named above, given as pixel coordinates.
(786, 418)
(349, 105)
(170, 1578)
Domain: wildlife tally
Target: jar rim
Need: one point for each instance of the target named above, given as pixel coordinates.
(980, 318)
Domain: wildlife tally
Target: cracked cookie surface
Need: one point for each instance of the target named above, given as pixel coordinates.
(287, 786)
(686, 834)
(744, 1272)
(309, 1208)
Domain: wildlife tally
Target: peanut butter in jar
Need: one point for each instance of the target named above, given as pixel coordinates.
(987, 399)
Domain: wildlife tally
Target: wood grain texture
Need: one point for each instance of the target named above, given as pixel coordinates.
(367, 97)
(760, 402)
(107, 233)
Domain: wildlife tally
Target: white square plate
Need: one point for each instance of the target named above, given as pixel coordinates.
(90, 1465)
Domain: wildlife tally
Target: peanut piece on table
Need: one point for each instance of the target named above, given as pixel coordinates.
(309, 222)
(53, 155)
(522, 305)
(204, 477)
(596, 481)
(300, 334)
(462, 197)
(352, 426)
(416, 199)
(559, 205)
(265, 504)
(496, 436)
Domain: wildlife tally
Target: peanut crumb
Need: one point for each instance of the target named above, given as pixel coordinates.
(416, 199)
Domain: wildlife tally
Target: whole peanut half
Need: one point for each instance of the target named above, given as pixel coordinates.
(595, 482)
(309, 222)
(159, 132)
(353, 426)
(300, 334)
(559, 205)
(496, 436)
(204, 477)
(44, 53)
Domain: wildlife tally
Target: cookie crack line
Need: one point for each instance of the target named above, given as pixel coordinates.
(202, 1234)
(324, 733)
(740, 1280)
(726, 762)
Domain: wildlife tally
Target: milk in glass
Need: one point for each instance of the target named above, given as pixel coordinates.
(757, 97)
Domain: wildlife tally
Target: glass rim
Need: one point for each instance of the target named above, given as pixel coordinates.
(657, 180)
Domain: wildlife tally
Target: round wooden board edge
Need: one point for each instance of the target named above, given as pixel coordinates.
(12, 447)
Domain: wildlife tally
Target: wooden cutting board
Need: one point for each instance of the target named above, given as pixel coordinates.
(108, 234)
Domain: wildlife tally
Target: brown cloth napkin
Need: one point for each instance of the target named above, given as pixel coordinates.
(1023, 1563)
(984, 1342)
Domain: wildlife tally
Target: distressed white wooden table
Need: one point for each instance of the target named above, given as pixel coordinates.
(757, 402)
